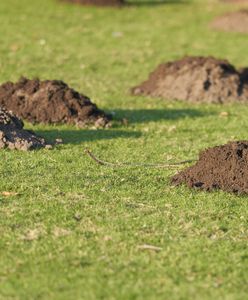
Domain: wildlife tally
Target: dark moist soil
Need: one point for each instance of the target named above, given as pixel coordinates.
(13, 136)
(222, 167)
(197, 79)
(97, 2)
(233, 22)
(50, 102)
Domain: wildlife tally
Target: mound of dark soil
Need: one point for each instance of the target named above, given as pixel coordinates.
(223, 167)
(197, 79)
(13, 136)
(50, 101)
(97, 2)
(234, 21)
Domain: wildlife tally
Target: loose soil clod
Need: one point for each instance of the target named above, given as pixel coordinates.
(222, 167)
(97, 2)
(50, 102)
(233, 22)
(197, 79)
(13, 136)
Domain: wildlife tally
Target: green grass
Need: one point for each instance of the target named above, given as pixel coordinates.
(74, 229)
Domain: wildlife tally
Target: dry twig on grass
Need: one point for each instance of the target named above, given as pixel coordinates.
(147, 165)
(149, 247)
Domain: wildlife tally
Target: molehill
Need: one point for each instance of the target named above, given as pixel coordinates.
(234, 22)
(222, 167)
(235, 1)
(197, 79)
(50, 102)
(13, 136)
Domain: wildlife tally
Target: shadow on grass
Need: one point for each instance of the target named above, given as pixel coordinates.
(153, 115)
(154, 2)
(79, 136)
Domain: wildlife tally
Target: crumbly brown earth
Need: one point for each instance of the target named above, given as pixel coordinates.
(98, 2)
(13, 136)
(234, 21)
(197, 79)
(222, 167)
(51, 102)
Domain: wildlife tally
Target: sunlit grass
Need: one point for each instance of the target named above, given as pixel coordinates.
(74, 228)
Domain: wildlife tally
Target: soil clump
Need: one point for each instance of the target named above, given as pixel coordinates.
(196, 79)
(50, 102)
(222, 167)
(14, 136)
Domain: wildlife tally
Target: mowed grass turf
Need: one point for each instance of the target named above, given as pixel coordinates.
(74, 228)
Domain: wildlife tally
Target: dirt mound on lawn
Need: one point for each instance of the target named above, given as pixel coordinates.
(13, 136)
(97, 2)
(235, 1)
(50, 101)
(197, 79)
(234, 21)
(222, 167)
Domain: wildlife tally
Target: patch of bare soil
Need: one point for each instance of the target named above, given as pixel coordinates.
(235, 1)
(50, 102)
(196, 79)
(233, 21)
(13, 136)
(222, 167)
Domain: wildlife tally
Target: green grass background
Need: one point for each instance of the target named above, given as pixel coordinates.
(74, 229)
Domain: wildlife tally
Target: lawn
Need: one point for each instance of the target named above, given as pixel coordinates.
(71, 229)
